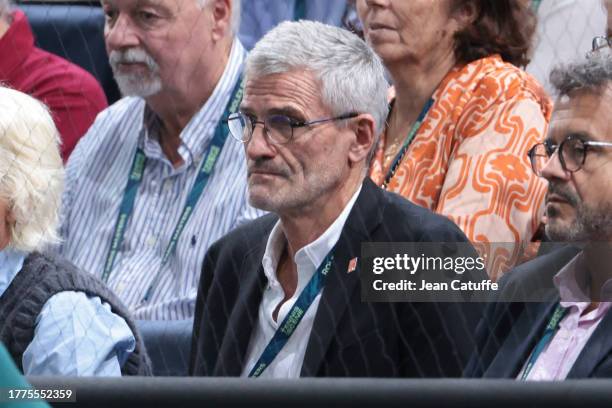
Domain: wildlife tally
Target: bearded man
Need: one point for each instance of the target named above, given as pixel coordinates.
(566, 333)
(154, 183)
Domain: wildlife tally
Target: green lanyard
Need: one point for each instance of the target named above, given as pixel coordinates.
(299, 10)
(136, 174)
(402, 152)
(294, 317)
(549, 332)
(535, 4)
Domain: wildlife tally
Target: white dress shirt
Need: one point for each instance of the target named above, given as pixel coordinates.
(288, 362)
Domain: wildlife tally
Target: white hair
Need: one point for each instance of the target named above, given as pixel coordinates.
(352, 76)
(135, 84)
(31, 170)
(235, 20)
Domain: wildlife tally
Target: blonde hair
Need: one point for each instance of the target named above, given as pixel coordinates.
(31, 170)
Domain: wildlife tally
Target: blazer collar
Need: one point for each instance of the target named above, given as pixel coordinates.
(598, 347)
(242, 320)
(529, 326)
(365, 217)
(524, 335)
(528, 330)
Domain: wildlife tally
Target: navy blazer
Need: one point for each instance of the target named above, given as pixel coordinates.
(508, 332)
(349, 338)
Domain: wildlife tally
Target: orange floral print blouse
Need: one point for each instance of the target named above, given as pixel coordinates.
(468, 161)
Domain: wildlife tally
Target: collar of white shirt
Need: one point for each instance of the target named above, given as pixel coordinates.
(308, 258)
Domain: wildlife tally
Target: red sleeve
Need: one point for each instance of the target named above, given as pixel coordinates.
(72, 94)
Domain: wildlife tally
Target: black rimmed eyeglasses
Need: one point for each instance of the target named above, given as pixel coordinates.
(572, 153)
(279, 128)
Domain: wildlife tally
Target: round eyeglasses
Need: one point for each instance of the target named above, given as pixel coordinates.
(572, 153)
(278, 128)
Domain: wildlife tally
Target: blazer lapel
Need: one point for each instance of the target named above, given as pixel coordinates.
(243, 318)
(365, 216)
(595, 350)
(524, 335)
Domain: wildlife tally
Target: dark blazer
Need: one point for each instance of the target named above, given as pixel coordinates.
(508, 332)
(349, 337)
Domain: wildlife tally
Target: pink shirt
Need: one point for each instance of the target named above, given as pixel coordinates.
(575, 329)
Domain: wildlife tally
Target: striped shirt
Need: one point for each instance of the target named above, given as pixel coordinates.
(96, 177)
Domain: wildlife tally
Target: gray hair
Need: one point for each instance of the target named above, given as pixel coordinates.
(351, 74)
(592, 73)
(31, 170)
(235, 20)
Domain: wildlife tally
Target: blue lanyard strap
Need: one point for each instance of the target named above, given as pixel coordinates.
(549, 332)
(402, 152)
(126, 208)
(536, 4)
(299, 10)
(136, 174)
(294, 317)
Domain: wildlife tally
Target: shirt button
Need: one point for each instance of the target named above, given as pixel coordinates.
(151, 241)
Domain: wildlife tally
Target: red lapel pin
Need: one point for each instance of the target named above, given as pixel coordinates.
(352, 265)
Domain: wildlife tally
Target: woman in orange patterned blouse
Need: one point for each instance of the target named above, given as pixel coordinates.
(463, 116)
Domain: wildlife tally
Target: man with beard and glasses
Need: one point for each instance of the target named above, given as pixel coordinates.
(155, 180)
(565, 329)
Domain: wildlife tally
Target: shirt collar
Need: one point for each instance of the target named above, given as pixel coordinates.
(15, 45)
(197, 133)
(11, 262)
(572, 282)
(310, 256)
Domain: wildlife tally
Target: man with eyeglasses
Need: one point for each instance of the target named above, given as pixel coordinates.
(566, 333)
(280, 297)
